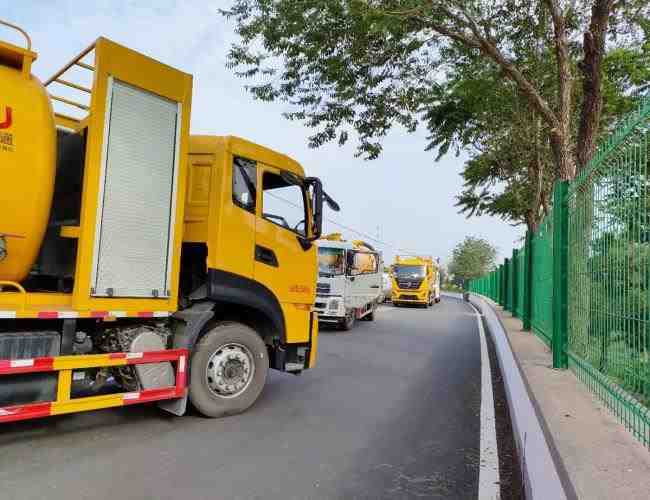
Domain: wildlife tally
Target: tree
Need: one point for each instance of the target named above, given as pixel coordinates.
(471, 259)
(510, 172)
(363, 66)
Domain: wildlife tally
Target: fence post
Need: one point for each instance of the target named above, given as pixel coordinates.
(502, 285)
(528, 281)
(560, 264)
(499, 283)
(506, 282)
(515, 282)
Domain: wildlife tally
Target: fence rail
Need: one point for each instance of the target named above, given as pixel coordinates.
(582, 280)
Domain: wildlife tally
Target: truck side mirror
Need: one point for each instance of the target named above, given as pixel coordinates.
(331, 203)
(317, 204)
(318, 197)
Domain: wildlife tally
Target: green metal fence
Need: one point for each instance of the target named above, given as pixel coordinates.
(582, 281)
(487, 285)
(541, 314)
(520, 273)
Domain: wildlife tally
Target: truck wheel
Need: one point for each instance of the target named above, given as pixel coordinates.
(371, 315)
(228, 370)
(347, 323)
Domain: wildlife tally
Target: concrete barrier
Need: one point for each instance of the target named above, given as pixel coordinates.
(541, 473)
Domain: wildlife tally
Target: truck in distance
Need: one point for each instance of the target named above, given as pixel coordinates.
(138, 263)
(349, 281)
(416, 280)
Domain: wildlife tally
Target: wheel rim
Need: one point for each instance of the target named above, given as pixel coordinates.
(230, 370)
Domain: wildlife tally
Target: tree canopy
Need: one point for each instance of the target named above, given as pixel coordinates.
(527, 84)
(471, 259)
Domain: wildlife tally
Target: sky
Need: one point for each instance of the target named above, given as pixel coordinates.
(405, 197)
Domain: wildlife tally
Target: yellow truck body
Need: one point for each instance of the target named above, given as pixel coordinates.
(415, 280)
(133, 252)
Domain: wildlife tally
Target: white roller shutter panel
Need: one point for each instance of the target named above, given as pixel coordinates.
(132, 247)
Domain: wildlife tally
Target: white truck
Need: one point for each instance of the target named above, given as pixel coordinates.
(349, 281)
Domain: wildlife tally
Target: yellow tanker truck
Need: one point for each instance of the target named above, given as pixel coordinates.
(138, 263)
(415, 280)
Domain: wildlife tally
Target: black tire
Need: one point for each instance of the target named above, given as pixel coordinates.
(347, 323)
(370, 316)
(205, 399)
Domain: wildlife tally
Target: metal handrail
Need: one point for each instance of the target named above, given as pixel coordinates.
(21, 31)
(73, 85)
(75, 62)
(58, 78)
(18, 288)
(69, 102)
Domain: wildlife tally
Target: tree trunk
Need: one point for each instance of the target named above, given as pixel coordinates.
(561, 134)
(563, 155)
(536, 175)
(591, 68)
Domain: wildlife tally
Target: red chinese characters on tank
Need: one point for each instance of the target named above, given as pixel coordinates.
(6, 119)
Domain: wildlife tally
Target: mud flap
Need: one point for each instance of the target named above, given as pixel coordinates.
(174, 406)
(189, 324)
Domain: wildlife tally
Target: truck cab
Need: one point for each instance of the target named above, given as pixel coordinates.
(349, 281)
(247, 225)
(415, 280)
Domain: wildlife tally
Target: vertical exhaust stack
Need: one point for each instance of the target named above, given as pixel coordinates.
(27, 158)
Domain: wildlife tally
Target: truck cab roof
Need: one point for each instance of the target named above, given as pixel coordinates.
(209, 144)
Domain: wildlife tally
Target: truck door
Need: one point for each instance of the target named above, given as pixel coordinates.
(430, 277)
(284, 264)
(375, 277)
(367, 280)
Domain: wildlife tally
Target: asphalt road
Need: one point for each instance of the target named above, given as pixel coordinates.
(392, 411)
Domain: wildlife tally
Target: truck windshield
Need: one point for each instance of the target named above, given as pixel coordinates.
(331, 261)
(409, 271)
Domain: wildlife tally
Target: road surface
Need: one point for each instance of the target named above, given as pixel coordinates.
(393, 411)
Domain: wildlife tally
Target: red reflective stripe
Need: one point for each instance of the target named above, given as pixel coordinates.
(48, 315)
(37, 365)
(149, 357)
(155, 357)
(153, 395)
(24, 412)
(47, 363)
(98, 314)
(181, 373)
(145, 314)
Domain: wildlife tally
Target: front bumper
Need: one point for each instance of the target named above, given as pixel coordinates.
(330, 309)
(410, 296)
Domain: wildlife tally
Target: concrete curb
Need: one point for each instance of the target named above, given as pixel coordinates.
(541, 476)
